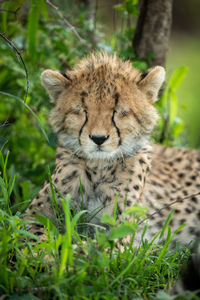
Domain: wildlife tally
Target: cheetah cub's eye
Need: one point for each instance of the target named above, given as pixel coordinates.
(124, 113)
(76, 110)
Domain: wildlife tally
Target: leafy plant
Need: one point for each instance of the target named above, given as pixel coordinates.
(43, 44)
(170, 125)
(128, 7)
(77, 266)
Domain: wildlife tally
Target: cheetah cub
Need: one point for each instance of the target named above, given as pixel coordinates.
(103, 116)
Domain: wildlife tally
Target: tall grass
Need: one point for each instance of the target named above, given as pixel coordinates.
(73, 265)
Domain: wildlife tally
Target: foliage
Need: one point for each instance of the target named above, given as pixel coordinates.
(54, 43)
(44, 40)
(74, 265)
(128, 7)
(185, 49)
(170, 126)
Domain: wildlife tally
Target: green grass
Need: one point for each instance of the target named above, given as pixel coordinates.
(73, 265)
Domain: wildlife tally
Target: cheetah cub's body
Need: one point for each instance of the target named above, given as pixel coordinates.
(103, 117)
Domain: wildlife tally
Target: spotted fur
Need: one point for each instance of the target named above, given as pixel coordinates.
(103, 117)
(177, 187)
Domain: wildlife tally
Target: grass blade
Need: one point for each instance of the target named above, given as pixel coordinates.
(66, 252)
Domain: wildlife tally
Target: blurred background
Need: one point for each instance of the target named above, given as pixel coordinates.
(184, 49)
(39, 34)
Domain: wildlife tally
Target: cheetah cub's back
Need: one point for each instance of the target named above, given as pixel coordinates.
(174, 182)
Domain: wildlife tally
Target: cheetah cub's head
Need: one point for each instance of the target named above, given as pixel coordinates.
(103, 107)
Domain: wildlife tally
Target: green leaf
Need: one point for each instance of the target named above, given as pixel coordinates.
(106, 219)
(177, 127)
(4, 169)
(4, 16)
(77, 217)
(43, 9)
(4, 189)
(164, 98)
(173, 106)
(25, 189)
(102, 239)
(32, 28)
(164, 249)
(119, 232)
(166, 223)
(136, 210)
(66, 251)
(141, 65)
(115, 207)
(177, 77)
(11, 185)
(178, 230)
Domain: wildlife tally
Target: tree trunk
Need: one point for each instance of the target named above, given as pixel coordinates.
(93, 6)
(153, 30)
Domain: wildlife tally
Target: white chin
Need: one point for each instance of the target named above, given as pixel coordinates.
(129, 147)
(101, 155)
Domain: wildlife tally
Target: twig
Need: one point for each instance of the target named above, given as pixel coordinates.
(164, 207)
(71, 27)
(18, 55)
(5, 123)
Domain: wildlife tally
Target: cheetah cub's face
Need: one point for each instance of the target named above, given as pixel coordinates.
(103, 108)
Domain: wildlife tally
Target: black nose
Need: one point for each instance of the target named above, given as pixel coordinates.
(99, 139)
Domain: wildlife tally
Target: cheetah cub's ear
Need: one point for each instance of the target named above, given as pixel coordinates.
(54, 82)
(150, 82)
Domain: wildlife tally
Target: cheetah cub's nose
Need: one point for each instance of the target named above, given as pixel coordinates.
(99, 139)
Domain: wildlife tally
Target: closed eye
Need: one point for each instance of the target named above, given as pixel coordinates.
(76, 110)
(124, 113)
